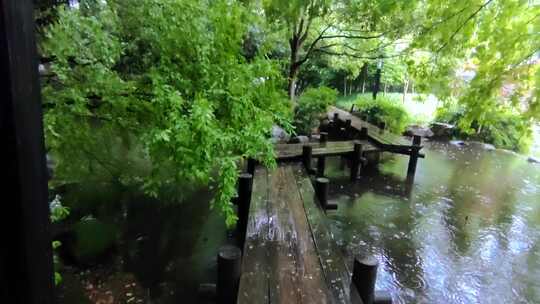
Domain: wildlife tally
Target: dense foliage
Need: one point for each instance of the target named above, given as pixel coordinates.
(159, 93)
(383, 109)
(506, 129)
(312, 104)
(166, 79)
(484, 53)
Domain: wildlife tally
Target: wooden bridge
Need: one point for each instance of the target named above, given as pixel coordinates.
(288, 252)
(345, 125)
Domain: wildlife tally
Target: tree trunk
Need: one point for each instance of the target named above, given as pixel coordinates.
(344, 85)
(292, 84)
(363, 86)
(405, 88)
(350, 87)
(385, 88)
(295, 45)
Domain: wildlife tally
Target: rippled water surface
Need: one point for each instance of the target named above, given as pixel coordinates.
(467, 230)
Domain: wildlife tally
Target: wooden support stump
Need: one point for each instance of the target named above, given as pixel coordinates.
(251, 166)
(321, 190)
(364, 133)
(347, 133)
(413, 160)
(343, 161)
(321, 163)
(364, 278)
(245, 186)
(342, 133)
(307, 156)
(336, 125)
(382, 126)
(323, 137)
(356, 161)
(229, 270)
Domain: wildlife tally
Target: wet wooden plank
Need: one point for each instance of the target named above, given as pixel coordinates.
(254, 280)
(289, 254)
(292, 151)
(336, 271)
(296, 274)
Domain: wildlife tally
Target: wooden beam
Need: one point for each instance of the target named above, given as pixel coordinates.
(26, 267)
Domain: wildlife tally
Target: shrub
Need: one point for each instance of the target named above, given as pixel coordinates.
(311, 105)
(384, 109)
(503, 128)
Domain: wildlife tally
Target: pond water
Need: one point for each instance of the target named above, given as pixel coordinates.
(158, 252)
(466, 230)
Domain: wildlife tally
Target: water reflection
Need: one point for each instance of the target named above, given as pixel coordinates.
(466, 231)
(163, 250)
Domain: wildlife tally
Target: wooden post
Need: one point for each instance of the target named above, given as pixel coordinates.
(245, 186)
(321, 190)
(413, 159)
(356, 161)
(364, 133)
(342, 133)
(336, 117)
(364, 278)
(348, 132)
(229, 270)
(251, 166)
(26, 265)
(307, 155)
(321, 163)
(323, 137)
(382, 126)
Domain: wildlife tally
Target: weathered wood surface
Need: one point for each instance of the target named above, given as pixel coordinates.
(289, 254)
(385, 140)
(334, 148)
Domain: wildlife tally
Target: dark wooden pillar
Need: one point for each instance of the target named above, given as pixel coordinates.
(321, 164)
(364, 133)
(323, 137)
(348, 131)
(364, 278)
(229, 262)
(382, 126)
(250, 168)
(307, 156)
(26, 267)
(321, 190)
(356, 161)
(413, 159)
(245, 186)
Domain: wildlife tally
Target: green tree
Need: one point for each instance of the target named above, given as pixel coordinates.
(165, 78)
(483, 53)
(340, 28)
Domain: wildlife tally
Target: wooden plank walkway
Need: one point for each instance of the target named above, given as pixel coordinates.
(385, 140)
(331, 148)
(289, 253)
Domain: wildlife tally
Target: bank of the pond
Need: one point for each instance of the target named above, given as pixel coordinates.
(466, 231)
